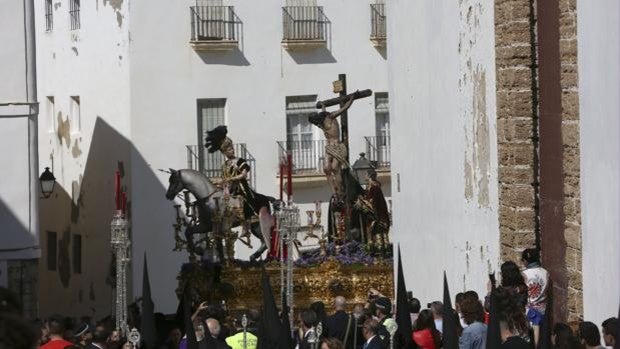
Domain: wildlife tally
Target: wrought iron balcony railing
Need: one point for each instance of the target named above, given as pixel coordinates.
(378, 31)
(378, 151)
(307, 156)
(199, 159)
(215, 24)
(304, 23)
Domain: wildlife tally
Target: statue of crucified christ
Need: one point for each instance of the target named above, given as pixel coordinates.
(335, 150)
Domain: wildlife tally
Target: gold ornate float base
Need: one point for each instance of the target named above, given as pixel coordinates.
(321, 282)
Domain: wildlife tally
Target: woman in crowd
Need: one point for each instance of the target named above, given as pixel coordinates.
(512, 282)
(425, 335)
(475, 334)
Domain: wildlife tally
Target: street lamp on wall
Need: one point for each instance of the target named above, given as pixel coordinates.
(47, 181)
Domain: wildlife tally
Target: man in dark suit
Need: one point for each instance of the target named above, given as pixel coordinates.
(214, 328)
(340, 324)
(383, 312)
(100, 338)
(370, 330)
(307, 335)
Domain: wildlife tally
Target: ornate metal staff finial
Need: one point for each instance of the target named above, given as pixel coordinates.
(391, 326)
(119, 241)
(313, 338)
(288, 225)
(134, 337)
(244, 323)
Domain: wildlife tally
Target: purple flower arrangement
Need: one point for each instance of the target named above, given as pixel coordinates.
(350, 253)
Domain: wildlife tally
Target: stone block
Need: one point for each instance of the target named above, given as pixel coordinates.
(515, 130)
(572, 235)
(571, 187)
(511, 33)
(568, 50)
(568, 25)
(514, 104)
(517, 196)
(514, 78)
(512, 175)
(570, 105)
(511, 10)
(518, 240)
(570, 133)
(569, 78)
(519, 154)
(512, 56)
(571, 161)
(573, 259)
(575, 279)
(509, 253)
(572, 209)
(525, 220)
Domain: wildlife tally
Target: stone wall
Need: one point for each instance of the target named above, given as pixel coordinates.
(517, 135)
(516, 126)
(570, 140)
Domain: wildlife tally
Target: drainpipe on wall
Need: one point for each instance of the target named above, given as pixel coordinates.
(33, 118)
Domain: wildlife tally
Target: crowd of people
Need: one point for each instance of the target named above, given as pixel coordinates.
(518, 304)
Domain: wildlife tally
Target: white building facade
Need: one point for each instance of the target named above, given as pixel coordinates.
(19, 189)
(136, 87)
(472, 87)
(83, 66)
(445, 193)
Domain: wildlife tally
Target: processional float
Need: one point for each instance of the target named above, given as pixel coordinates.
(216, 213)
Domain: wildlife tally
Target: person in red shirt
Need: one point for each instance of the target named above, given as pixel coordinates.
(425, 335)
(56, 329)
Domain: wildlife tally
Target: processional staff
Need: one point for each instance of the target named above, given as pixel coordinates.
(244, 323)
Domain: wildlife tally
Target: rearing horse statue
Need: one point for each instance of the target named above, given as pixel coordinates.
(207, 196)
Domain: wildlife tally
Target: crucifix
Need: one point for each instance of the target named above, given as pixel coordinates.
(336, 136)
(336, 160)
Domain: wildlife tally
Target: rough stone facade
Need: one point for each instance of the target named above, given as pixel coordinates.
(516, 125)
(570, 140)
(517, 135)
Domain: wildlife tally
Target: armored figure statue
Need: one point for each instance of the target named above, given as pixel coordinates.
(235, 182)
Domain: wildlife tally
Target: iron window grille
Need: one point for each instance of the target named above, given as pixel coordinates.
(304, 23)
(49, 15)
(215, 23)
(377, 18)
(74, 14)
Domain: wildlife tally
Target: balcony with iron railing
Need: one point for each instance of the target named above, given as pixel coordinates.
(215, 28)
(378, 31)
(307, 156)
(199, 159)
(378, 151)
(305, 27)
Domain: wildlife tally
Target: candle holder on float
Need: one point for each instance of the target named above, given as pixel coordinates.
(120, 243)
(288, 224)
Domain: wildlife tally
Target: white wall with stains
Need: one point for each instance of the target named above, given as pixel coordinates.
(168, 76)
(598, 30)
(83, 151)
(444, 149)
